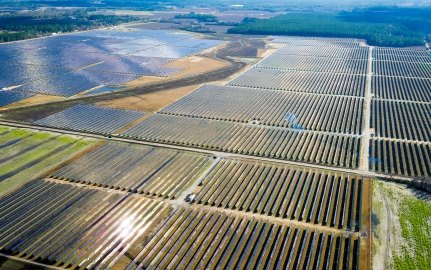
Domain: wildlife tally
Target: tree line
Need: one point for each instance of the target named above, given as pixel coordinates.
(23, 26)
(334, 25)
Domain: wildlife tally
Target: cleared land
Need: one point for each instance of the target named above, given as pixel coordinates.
(152, 102)
(187, 67)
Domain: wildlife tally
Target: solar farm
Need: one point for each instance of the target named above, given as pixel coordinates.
(70, 64)
(401, 111)
(26, 154)
(148, 170)
(144, 224)
(89, 118)
(272, 169)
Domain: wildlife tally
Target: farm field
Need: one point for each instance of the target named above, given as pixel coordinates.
(25, 154)
(142, 169)
(91, 119)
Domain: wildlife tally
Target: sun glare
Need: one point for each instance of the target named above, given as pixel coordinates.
(126, 227)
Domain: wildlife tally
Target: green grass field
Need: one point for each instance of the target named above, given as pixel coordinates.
(415, 221)
(25, 155)
(411, 226)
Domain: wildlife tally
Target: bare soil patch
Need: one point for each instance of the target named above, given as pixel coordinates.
(151, 102)
(190, 66)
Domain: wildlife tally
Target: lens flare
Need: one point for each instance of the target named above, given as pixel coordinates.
(126, 227)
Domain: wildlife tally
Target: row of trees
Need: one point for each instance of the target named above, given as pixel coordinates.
(332, 25)
(23, 26)
(200, 17)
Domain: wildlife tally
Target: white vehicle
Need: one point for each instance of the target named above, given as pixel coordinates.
(190, 197)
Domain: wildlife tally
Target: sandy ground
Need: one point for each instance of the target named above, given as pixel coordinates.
(381, 229)
(151, 102)
(194, 65)
(33, 100)
(270, 49)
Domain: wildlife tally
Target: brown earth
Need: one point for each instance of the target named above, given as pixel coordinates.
(190, 66)
(151, 102)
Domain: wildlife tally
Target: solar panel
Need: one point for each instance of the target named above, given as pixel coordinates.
(90, 118)
(9, 97)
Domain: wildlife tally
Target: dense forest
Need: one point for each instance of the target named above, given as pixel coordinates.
(18, 26)
(397, 27)
(200, 17)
